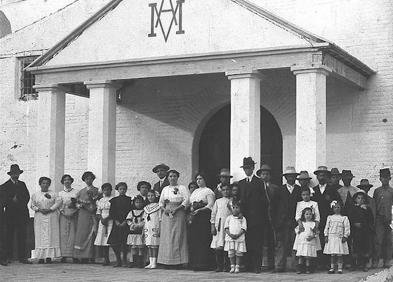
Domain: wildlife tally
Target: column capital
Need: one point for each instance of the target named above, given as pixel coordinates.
(49, 88)
(102, 84)
(313, 68)
(243, 73)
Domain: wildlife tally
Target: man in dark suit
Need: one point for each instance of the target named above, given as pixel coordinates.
(324, 194)
(285, 222)
(3, 257)
(162, 172)
(334, 179)
(272, 192)
(254, 208)
(16, 213)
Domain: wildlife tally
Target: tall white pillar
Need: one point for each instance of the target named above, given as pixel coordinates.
(51, 133)
(245, 120)
(310, 116)
(102, 131)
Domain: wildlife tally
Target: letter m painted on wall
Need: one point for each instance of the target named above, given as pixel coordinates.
(177, 18)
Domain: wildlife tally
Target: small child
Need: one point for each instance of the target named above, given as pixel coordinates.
(219, 215)
(337, 231)
(362, 222)
(307, 240)
(135, 221)
(105, 223)
(235, 244)
(151, 232)
(307, 203)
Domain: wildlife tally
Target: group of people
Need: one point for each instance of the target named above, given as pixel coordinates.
(249, 225)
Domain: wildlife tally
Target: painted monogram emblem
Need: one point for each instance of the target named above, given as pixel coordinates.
(176, 14)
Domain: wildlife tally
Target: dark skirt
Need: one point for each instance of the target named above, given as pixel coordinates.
(201, 255)
(118, 235)
(361, 241)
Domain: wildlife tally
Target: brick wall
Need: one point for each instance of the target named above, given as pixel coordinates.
(159, 117)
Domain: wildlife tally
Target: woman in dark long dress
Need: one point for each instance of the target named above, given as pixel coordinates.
(202, 201)
(87, 221)
(120, 207)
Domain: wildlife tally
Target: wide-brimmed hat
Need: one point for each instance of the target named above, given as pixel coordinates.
(264, 167)
(164, 166)
(335, 171)
(322, 168)
(14, 169)
(347, 174)
(364, 184)
(290, 170)
(248, 162)
(224, 172)
(385, 172)
(303, 175)
(357, 193)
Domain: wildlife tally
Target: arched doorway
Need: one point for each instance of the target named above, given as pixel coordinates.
(214, 145)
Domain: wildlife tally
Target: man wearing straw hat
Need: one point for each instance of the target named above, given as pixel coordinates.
(347, 191)
(285, 222)
(162, 172)
(304, 181)
(254, 208)
(225, 177)
(324, 195)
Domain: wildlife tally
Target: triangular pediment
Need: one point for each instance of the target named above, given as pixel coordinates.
(134, 29)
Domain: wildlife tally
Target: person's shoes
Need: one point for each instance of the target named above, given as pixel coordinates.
(48, 260)
(92, 261)
(237, 269)
(308, 270)
(300, 269)
(331, 271)
(3, 263)
(106, 262)
(84, 261)
(340, 271)
(118, 264)
(232, 269)
(63, 260)
(25, 261)
(75, 260)
(41, 261)
(278, 270)
(365, 268)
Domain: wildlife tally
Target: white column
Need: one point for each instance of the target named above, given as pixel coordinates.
(102, 131)
(51, 133)
(245, 120)
(310, 116)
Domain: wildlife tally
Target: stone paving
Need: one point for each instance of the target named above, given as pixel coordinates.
(77, 272)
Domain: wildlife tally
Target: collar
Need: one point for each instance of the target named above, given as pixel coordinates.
(67, 190)
(14, 181)
(291, 186)
(322, 186)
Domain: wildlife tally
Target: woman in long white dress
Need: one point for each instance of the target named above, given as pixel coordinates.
(68, 218)
(46, 205)
(174, 200)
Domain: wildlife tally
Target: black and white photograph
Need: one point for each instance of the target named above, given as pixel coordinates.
(196, 140)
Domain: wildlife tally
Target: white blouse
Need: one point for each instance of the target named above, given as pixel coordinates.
(40, 201)
(175, 194)
(203, 194)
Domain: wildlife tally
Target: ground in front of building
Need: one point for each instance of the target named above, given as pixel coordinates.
(82, 272)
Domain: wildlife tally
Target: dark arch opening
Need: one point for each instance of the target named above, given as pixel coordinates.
(214, 145)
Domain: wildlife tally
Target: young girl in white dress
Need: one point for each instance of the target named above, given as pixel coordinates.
(235, 240)
(151, 232)
(337, 231)
(307, 240)
(105, 223)
(135, 220)
(220, 212)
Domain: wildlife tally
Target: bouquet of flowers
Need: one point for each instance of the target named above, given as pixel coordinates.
(194, 206)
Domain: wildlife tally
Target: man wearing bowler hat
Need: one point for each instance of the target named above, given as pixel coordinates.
(272, 192)
(16, 213)
(383, 197)
(335, 177)
(254, 207)
(225, 177)
(162, 172)
(324, 195)
(285, 221)
(347, 191)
